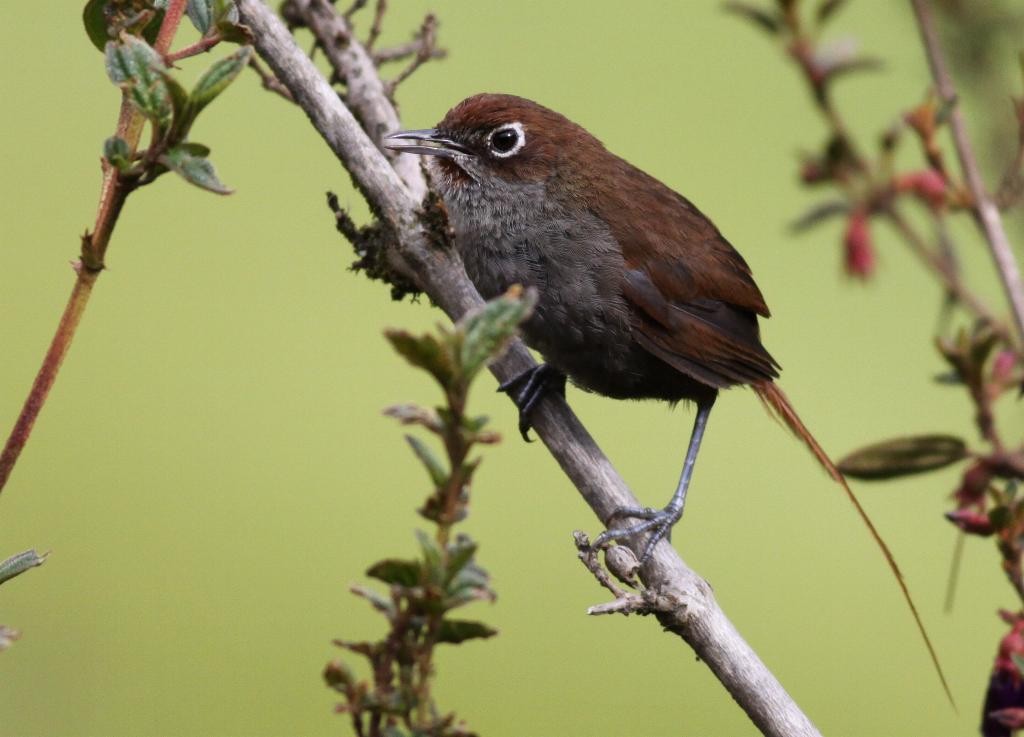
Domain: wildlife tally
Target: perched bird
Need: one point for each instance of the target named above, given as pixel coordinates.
(639, 294)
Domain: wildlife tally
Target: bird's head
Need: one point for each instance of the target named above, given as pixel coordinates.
(491, 136)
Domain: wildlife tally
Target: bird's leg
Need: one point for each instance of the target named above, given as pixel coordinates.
(529, 387)
(660, 521)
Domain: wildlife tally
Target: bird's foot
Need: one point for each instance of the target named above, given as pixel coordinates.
(657, 523)
(528, 388)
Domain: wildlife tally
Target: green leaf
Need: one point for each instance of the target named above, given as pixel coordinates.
(95, 21)
(196, 149)
(820, 213)
(117, 153)
(132, 61)
(437, 472)
(460, 554)
(488, 330)
(398, 572)
(137, 68)
(469, 468)
(18, 564)
(827, 9)
(431, 556)
(426, 352)
(469, 584)
(378, 602)
(200, 12)
(181, 114)
(903, 457)
(194, 169)
(767, 20)
(459, 630)
(982, 343)
(217, 78)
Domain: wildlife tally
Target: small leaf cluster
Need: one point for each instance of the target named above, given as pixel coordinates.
(124, 30)
(138, 69)
(421, 594)
(396, 700)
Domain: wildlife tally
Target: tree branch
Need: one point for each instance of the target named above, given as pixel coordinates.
(365, 93)
(687, 606)
(985, 210)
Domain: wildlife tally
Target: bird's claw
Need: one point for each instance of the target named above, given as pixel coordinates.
(528, 388)
(657, 522)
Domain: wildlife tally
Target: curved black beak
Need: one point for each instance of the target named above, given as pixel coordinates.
(427, 141)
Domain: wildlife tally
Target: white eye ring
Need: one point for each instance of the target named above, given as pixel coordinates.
(520, 140)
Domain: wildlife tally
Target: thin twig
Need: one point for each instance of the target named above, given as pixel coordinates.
(947, 273)
(1011, 185)
(986, 212)
(365, 93)
(377, 25)
(427, 37)
(697, 618)
(404, 51)
(354, 8)
(199, 47)
(269, 81)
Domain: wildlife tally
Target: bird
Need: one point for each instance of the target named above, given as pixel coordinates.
(639, 295)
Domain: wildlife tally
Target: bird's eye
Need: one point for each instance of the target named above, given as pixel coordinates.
(507, 140)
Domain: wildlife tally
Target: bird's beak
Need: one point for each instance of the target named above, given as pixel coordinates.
(427, 142)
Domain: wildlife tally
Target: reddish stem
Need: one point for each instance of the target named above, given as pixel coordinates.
(48, 371)
(172, 18)
(113, 193)
(202, 45)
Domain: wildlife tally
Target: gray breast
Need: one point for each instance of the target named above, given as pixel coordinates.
(581, 323)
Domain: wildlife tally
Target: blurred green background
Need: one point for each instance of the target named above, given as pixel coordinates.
(212, 470)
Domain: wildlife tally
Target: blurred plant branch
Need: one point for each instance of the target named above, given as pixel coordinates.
(123, 30)
(422, 592)
(416, 245)
(986, 358)
(985, 211)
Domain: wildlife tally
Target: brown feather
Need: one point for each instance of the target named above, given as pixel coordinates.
(780, 407)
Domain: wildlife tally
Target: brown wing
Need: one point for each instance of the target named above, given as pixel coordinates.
(694, 302)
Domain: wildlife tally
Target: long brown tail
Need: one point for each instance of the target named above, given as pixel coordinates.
(779, 406)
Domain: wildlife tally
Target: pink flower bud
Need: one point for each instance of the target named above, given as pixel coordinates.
(860, 252)
(1002, 366)
(971, 522)
(973, 485)
(928, 185)
(1011, 644)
